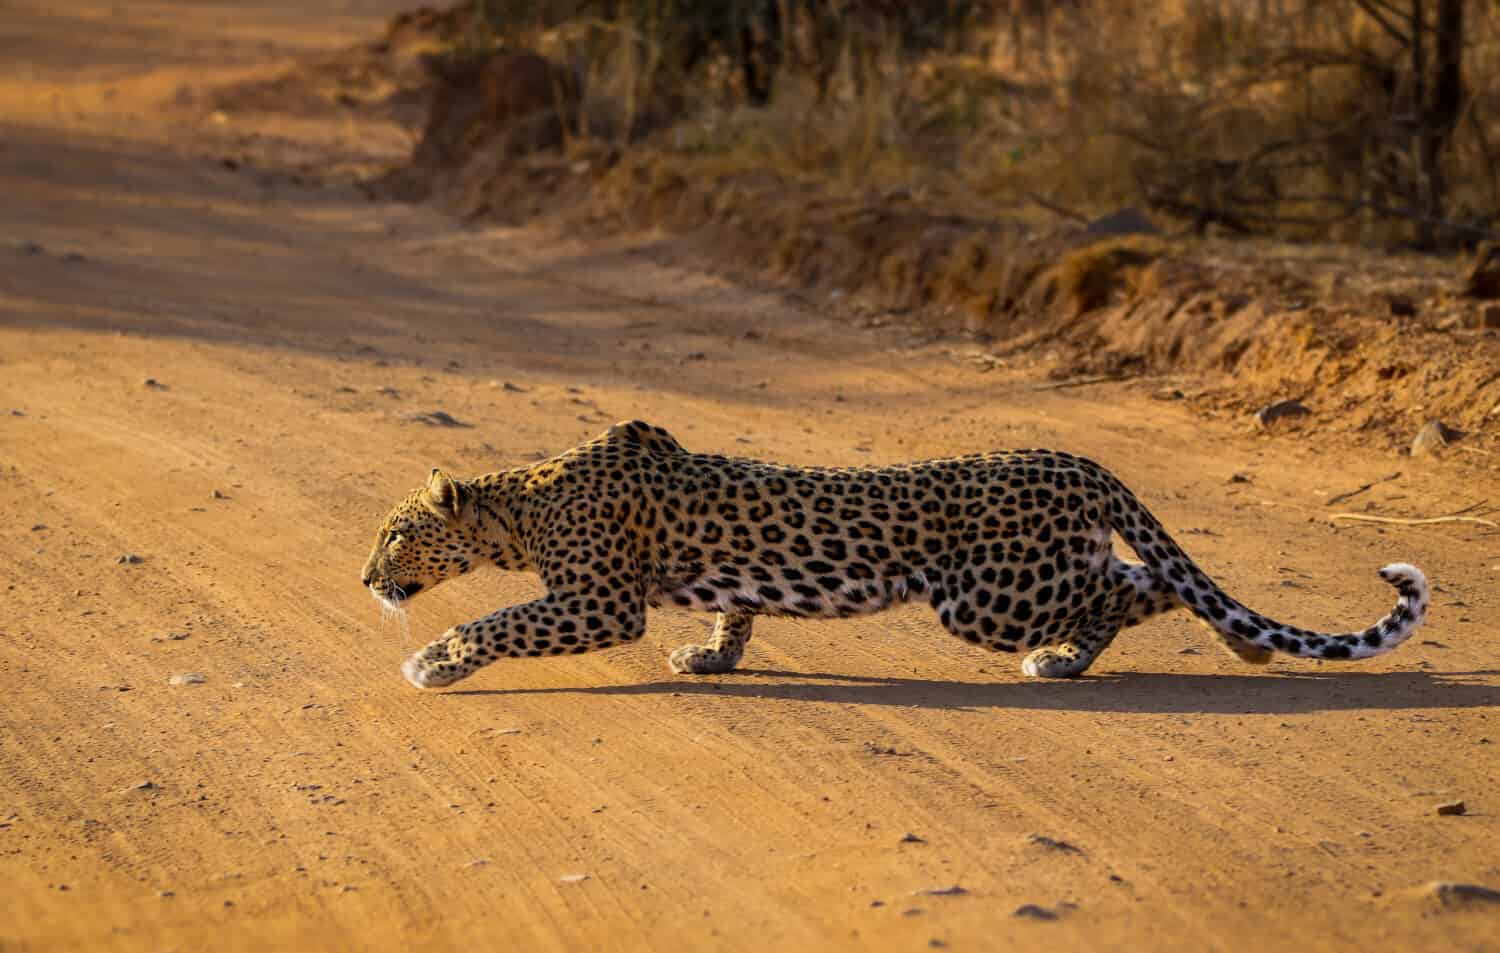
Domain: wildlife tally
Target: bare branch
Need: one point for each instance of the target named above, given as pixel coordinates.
(1378, 12)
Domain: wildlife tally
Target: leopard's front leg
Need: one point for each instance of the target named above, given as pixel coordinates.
(556, 624)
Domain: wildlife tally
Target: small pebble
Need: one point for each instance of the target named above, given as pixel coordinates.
(187, 678)
(1451, 894)
(910, 838)
(130, 559)
(1434, 436)
(1280, 410)
(572, 878)
(1034, 912)
(1042, 840)
(217, 495)
(952, 891)
(1451, 809)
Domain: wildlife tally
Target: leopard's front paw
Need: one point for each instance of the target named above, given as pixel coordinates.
(702, 660)
(437, 664)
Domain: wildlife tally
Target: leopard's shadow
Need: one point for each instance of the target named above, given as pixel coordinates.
(1146, 692)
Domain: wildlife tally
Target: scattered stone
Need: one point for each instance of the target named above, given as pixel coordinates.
(389, 392)
(153, 384)
(1401, 306)
(1280, 410)
(511, 388)
(936, 944)
(187, 678)
(1239, 478)
(30, 248)
(130, 559)
(166, 894)
(1482, 280)
(1188, 651)
(952, 891)
(1452, 809)
(437, 418)
(1126, 221)
(38, 527)
(572, 878)
(1061, 846)
(910, 838)
(1451, 894)
(1034, 912)
(1168, 393)
(218, 495)
(876, 903)
(147, 785)
(17, 413)
(1434, 435)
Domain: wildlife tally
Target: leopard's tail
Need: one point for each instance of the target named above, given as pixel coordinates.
(1248, 634)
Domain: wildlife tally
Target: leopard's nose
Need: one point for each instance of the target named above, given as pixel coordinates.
(365, 577)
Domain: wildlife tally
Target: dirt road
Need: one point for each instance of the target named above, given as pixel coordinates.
(304, 797)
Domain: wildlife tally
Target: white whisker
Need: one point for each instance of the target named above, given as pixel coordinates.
(395, 609)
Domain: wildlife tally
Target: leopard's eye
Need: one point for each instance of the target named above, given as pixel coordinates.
(393, 539)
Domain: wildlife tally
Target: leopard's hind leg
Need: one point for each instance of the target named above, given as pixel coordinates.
(1136, 594)
(722, 652)
(1154, 596)
(1131, 594)
(1092, 633)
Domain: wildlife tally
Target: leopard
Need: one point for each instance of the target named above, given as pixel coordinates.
(1013, 549)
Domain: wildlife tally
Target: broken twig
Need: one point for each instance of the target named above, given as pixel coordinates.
(1353, 493)
(1404, 521)
(1086, 381)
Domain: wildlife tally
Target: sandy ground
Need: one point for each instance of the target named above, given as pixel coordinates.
(304, 797)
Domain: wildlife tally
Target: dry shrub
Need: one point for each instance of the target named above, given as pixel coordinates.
(1090, 276)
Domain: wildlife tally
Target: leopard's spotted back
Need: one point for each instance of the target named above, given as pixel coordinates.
(1011, 548)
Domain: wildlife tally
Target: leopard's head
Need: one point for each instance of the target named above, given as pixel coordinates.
(429, 537)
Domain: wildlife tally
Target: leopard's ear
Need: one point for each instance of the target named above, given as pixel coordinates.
(445, 495)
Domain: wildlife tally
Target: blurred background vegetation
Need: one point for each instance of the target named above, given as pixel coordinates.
(1371, 121)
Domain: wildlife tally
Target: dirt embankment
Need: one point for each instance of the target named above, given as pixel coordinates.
(1374, 343)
